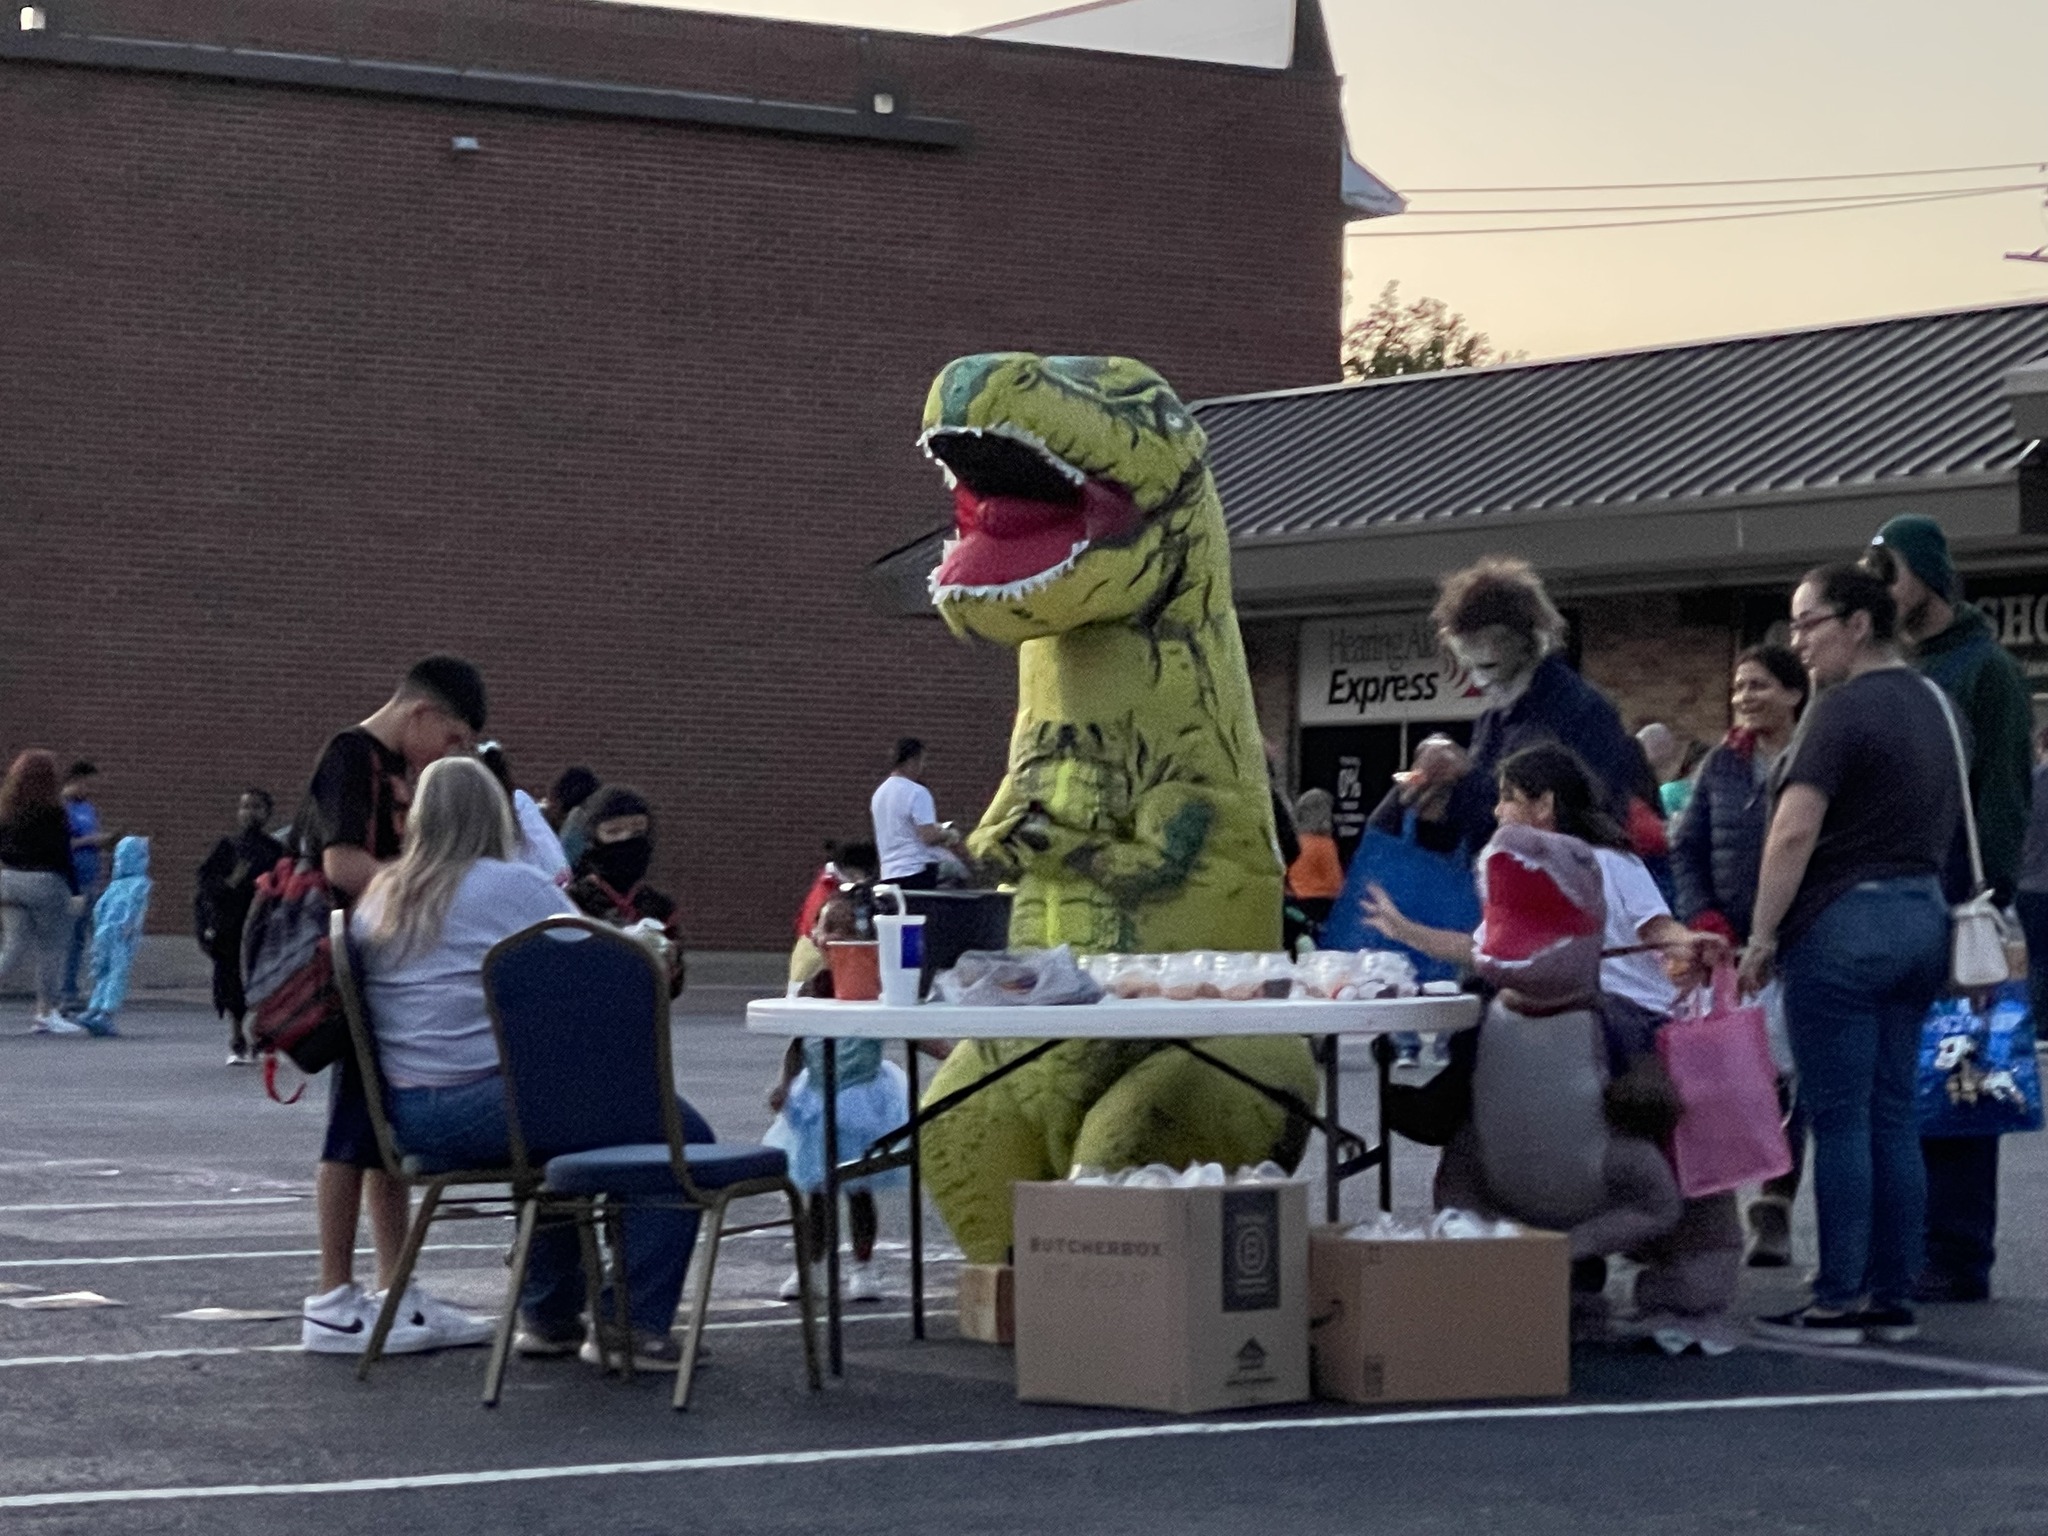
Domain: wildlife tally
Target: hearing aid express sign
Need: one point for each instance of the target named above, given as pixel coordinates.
(1383, 668)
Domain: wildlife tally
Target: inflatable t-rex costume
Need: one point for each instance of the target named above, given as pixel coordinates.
(1136, 815)
(1548, 1141)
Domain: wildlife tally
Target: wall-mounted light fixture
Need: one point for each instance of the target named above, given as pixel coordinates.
(33, 19)
(464, 144)
(884, 103)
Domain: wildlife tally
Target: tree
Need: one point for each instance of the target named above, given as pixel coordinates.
(1422, 337)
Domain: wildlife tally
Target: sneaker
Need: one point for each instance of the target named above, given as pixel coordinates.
(1770, 1233)
(238, 1058)
(1814, 1325)
(1888, 1325)
(99, 1024)
(57, 1024)
(1677, 1336)
(651, 1351)
(1938, 1286)
(340, 1323)
(792, 1288)
(861, 1284)
(447, 1325)
(547, 1341)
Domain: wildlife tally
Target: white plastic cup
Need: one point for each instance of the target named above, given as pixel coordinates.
(901, 952)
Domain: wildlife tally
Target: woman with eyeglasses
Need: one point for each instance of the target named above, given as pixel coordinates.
(1851, 914)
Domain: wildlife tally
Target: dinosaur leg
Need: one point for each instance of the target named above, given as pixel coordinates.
(1023, 1127)
(1643, 1202)
(1173, 1109)
(1693, 1269)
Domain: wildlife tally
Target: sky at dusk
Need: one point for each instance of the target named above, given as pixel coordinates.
(1502, 93)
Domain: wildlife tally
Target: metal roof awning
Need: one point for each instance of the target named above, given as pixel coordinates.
(1704, 463)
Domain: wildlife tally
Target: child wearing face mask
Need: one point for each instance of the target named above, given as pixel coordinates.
(611, 876)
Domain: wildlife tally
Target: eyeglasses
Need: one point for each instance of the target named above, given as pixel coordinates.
(1813, 621)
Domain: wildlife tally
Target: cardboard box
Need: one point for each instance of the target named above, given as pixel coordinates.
(1176, 1299)
(1440, 1320)
(986, 1303)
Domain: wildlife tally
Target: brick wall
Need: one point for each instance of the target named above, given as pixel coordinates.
(620, 410)
(1656, 664)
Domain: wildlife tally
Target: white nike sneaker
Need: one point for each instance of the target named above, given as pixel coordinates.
(446, 1325)
(792, 1287)
(340, 1323)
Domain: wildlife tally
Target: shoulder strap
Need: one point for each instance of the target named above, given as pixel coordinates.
(1955, 737)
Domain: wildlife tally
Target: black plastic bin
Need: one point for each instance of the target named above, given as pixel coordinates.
(957, 921)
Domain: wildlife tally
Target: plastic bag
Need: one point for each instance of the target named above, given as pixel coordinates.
(1434, 889)
(1978, 1073)
(1034, 977)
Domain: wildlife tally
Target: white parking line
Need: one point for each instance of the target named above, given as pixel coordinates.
(156, 1205)
(197, 1258)
(1176, 1430)
(144, 1356)
(1906, 1360)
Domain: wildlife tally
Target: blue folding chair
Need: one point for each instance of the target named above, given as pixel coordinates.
(581, 1013)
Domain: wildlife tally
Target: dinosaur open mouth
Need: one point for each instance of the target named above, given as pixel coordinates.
(1022, 515)
(1527, 913)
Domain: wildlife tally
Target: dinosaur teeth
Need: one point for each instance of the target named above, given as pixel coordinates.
(1029, 440)
(1008, 591)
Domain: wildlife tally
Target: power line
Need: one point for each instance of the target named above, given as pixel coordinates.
(1704, 218)
(1734, 181)
(1869, 199)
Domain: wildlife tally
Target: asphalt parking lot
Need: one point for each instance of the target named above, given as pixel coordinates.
(145, 1171)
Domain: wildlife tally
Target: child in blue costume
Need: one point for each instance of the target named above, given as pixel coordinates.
(117, 931)
(873, 1099)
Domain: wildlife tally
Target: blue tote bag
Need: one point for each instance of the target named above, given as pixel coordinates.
(1978, 1074)
(1435, 889)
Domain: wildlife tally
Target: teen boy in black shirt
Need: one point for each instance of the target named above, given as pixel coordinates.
(353, 823)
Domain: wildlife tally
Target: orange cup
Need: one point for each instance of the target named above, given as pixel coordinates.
(856, 969)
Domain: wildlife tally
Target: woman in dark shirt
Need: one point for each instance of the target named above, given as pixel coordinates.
(1850, 909)
(37, 883)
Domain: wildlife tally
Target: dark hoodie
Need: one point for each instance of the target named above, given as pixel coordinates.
(611, 878)
(1991, 696)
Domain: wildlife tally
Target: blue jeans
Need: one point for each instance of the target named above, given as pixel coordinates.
(81, 943)
(1857, 986)
(464, 1127)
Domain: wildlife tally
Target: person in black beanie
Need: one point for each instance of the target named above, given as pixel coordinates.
(1955, 645)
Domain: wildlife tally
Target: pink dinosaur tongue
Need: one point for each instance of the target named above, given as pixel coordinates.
(1005, 539)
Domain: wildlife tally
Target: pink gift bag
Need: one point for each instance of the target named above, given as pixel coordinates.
(1718, 1052)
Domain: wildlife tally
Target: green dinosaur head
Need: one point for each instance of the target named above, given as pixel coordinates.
(1080, 493)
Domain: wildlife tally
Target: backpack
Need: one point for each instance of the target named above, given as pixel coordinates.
(288, 971)
(288, 968)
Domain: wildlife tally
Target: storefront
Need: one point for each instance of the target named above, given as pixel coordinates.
(1370, 688)
(1670, 498)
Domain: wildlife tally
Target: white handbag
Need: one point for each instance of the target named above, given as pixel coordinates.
(1977, 955)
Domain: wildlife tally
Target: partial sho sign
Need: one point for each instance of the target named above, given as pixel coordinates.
(1383, 668)
(2018, 611)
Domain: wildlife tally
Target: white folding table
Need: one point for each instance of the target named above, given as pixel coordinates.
(1174, 1023)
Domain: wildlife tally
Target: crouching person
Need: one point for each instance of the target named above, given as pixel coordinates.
(422, 930)
(1554, 1112)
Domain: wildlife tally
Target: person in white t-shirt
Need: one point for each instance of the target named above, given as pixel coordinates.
(1648, 954)
(907, 828)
